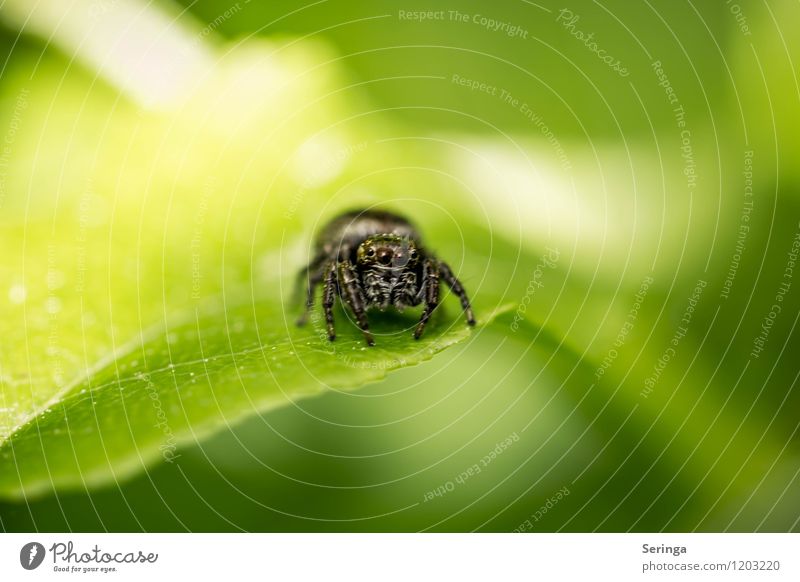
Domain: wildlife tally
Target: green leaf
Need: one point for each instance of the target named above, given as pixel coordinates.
(189, 380)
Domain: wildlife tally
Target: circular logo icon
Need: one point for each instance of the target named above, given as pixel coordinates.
(31, 555)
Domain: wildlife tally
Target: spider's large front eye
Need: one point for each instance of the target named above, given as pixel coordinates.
(370, 252)
(413, 255)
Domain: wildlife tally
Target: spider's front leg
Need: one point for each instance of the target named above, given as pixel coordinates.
(352, 295)
(458, 289)
(430, 290)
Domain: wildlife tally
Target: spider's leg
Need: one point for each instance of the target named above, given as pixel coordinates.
(430, 288)
(352, 295)
(312, 280)
(328, 297)
(310, 276)
(458, 289)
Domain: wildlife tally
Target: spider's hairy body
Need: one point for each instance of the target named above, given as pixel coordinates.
(374, 259)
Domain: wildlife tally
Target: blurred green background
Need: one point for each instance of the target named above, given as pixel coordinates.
(650, 375)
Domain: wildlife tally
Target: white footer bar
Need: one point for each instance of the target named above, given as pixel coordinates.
(389, 557)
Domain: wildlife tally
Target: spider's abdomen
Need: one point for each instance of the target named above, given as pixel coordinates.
(349, 230)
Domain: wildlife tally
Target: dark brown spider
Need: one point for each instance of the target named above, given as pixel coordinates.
(374, 259)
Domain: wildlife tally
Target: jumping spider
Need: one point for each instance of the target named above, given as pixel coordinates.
(373, 259)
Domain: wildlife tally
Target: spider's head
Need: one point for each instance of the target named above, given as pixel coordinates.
(388, 252)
